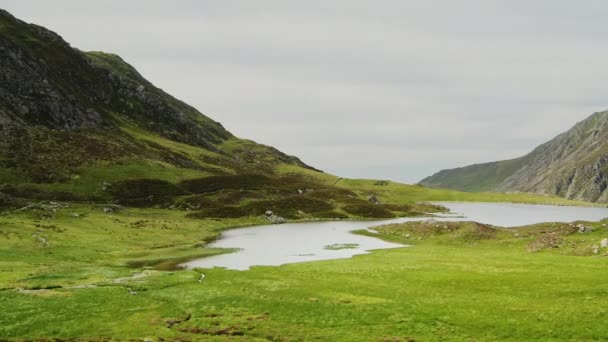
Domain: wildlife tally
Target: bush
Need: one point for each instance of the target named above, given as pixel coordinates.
(233, 182)
(225, 211)
(289, 207)
(41, 194)
(368, 210)
(332, 194)
(142, 188)
(235, 197)
(330, 215)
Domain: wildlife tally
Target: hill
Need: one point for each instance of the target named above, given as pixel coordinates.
(572, 165)
(87, 127)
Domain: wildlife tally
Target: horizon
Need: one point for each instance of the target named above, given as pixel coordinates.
(450, 96)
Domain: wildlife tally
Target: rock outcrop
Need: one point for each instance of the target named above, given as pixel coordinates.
(46, 82)
(573, 165)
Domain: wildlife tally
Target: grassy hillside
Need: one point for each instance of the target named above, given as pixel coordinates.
(476, 178)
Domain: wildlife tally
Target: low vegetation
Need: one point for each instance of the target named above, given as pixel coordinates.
(78, 272)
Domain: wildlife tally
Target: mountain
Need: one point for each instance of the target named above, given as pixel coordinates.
(86, 127)
(51, 92)
(572, 165)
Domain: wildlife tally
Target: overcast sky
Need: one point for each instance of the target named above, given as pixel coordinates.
(367, 89)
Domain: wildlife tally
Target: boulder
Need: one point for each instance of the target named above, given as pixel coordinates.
(112, 208)
(277, 219)
(604, 243)
(373, 199)
(584, 229)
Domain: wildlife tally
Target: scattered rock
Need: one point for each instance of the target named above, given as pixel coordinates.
(274, 218)
(45, 242)
(584, 229)
(50, 206)
(373, 199)
(277, 219)
(112, 208)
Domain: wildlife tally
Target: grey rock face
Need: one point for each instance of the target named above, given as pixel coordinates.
(45, 82)
(573, 165)
(25, 99)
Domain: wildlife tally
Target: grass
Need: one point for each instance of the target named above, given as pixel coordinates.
(479, 177)
(87, 245)
(445, 287)
(398, 192)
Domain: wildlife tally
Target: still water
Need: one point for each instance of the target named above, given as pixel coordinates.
(309, 241)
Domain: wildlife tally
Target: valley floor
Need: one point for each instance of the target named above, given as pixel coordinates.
(64, 277)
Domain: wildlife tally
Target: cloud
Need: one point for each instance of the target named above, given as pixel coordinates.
(384, 89)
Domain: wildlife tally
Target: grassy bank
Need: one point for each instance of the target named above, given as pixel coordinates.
(458, 285)
(394, 191)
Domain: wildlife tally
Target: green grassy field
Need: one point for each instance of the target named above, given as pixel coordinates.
(394, 191)
(457, 286)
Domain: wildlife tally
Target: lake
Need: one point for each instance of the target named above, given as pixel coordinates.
(309, 241)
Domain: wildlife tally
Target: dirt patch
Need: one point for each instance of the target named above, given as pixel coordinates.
(545, 241)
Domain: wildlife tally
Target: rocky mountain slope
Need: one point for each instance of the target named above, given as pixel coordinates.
(572, 165)
(97, 104)
(87, 127)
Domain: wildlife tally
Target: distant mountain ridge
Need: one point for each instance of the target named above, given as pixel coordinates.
(572, 165)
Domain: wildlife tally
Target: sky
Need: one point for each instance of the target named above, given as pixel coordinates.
(363, 89)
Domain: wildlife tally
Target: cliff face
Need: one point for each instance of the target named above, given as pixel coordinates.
(45, 82)
(572, 165)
